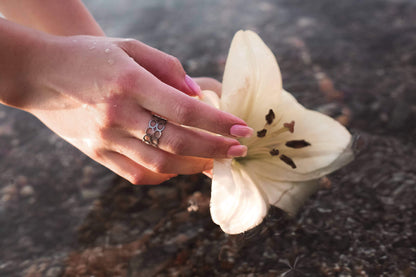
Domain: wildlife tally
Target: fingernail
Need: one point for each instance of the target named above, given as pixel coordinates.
(237, 151)
(241, 131)
(192, 85)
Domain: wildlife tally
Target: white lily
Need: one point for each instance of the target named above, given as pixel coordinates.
(292, 149)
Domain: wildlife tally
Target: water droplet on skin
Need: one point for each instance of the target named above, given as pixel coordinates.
(91, 47)
(110, 61)
(107, 50)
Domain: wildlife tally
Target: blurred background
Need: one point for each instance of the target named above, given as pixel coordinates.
(61, 214)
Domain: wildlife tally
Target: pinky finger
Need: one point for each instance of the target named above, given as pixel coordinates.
(133, 172)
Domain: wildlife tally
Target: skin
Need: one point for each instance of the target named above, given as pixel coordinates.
(99, 93)
(62, 18)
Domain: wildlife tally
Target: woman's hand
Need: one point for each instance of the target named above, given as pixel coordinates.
(100, 93)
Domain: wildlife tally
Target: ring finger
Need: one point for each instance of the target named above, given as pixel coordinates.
(157, 160)
(182, 141)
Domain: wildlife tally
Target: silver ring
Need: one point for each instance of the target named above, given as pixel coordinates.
(154, 130)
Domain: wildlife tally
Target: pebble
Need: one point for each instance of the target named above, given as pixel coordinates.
(90, 193)
(163, 192)
(53, 271)
(27, 191)
(25, 242)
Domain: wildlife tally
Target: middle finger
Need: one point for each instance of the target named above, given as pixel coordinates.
(185, 141)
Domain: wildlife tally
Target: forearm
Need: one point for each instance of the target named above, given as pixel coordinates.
(58, 17)
(17, 47)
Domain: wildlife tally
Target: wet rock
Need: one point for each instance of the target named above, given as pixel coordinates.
(163, 193)
(90, 193)
(401, 112)
(53, 271)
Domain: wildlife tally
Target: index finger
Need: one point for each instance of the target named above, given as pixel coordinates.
(178, 107)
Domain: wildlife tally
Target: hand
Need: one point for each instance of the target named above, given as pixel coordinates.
(100, 93)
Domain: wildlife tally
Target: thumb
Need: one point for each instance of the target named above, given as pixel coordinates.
(165, 67)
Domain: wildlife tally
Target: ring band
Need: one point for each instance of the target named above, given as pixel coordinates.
(154, 130)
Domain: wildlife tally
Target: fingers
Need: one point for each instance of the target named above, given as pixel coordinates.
(177, 107)
(165, 67)
(188, 142)
(159, 161)
(180, 140)
(133, 172)
(206, 83)
(165, 98)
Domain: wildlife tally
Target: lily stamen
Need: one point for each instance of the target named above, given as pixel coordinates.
(288, 161)
(287, 127)
(297, 144)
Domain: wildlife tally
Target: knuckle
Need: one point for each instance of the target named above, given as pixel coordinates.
(223, 120)
(185, 112)
(217, 148)
(177, 145)
(102, 134)
(172, 64)
(127, 79)
(160, 165)
(220, 122)
(130, 44)
(109, 116)
(96, 154)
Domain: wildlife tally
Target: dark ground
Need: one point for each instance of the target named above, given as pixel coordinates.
(63, 215)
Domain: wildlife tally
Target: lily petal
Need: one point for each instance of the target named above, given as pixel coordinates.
(252, 82)
(329, 145)
(288, 196)
(237, 204)
(291, 199)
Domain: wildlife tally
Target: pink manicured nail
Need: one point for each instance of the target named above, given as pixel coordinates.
(237, 151)
(241, 131)
(192, 85)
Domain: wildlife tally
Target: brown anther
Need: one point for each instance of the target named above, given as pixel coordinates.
(297, 143)
(262, 133)
(290, 126)
(288, 161)
(270, 117)
(274, 152)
